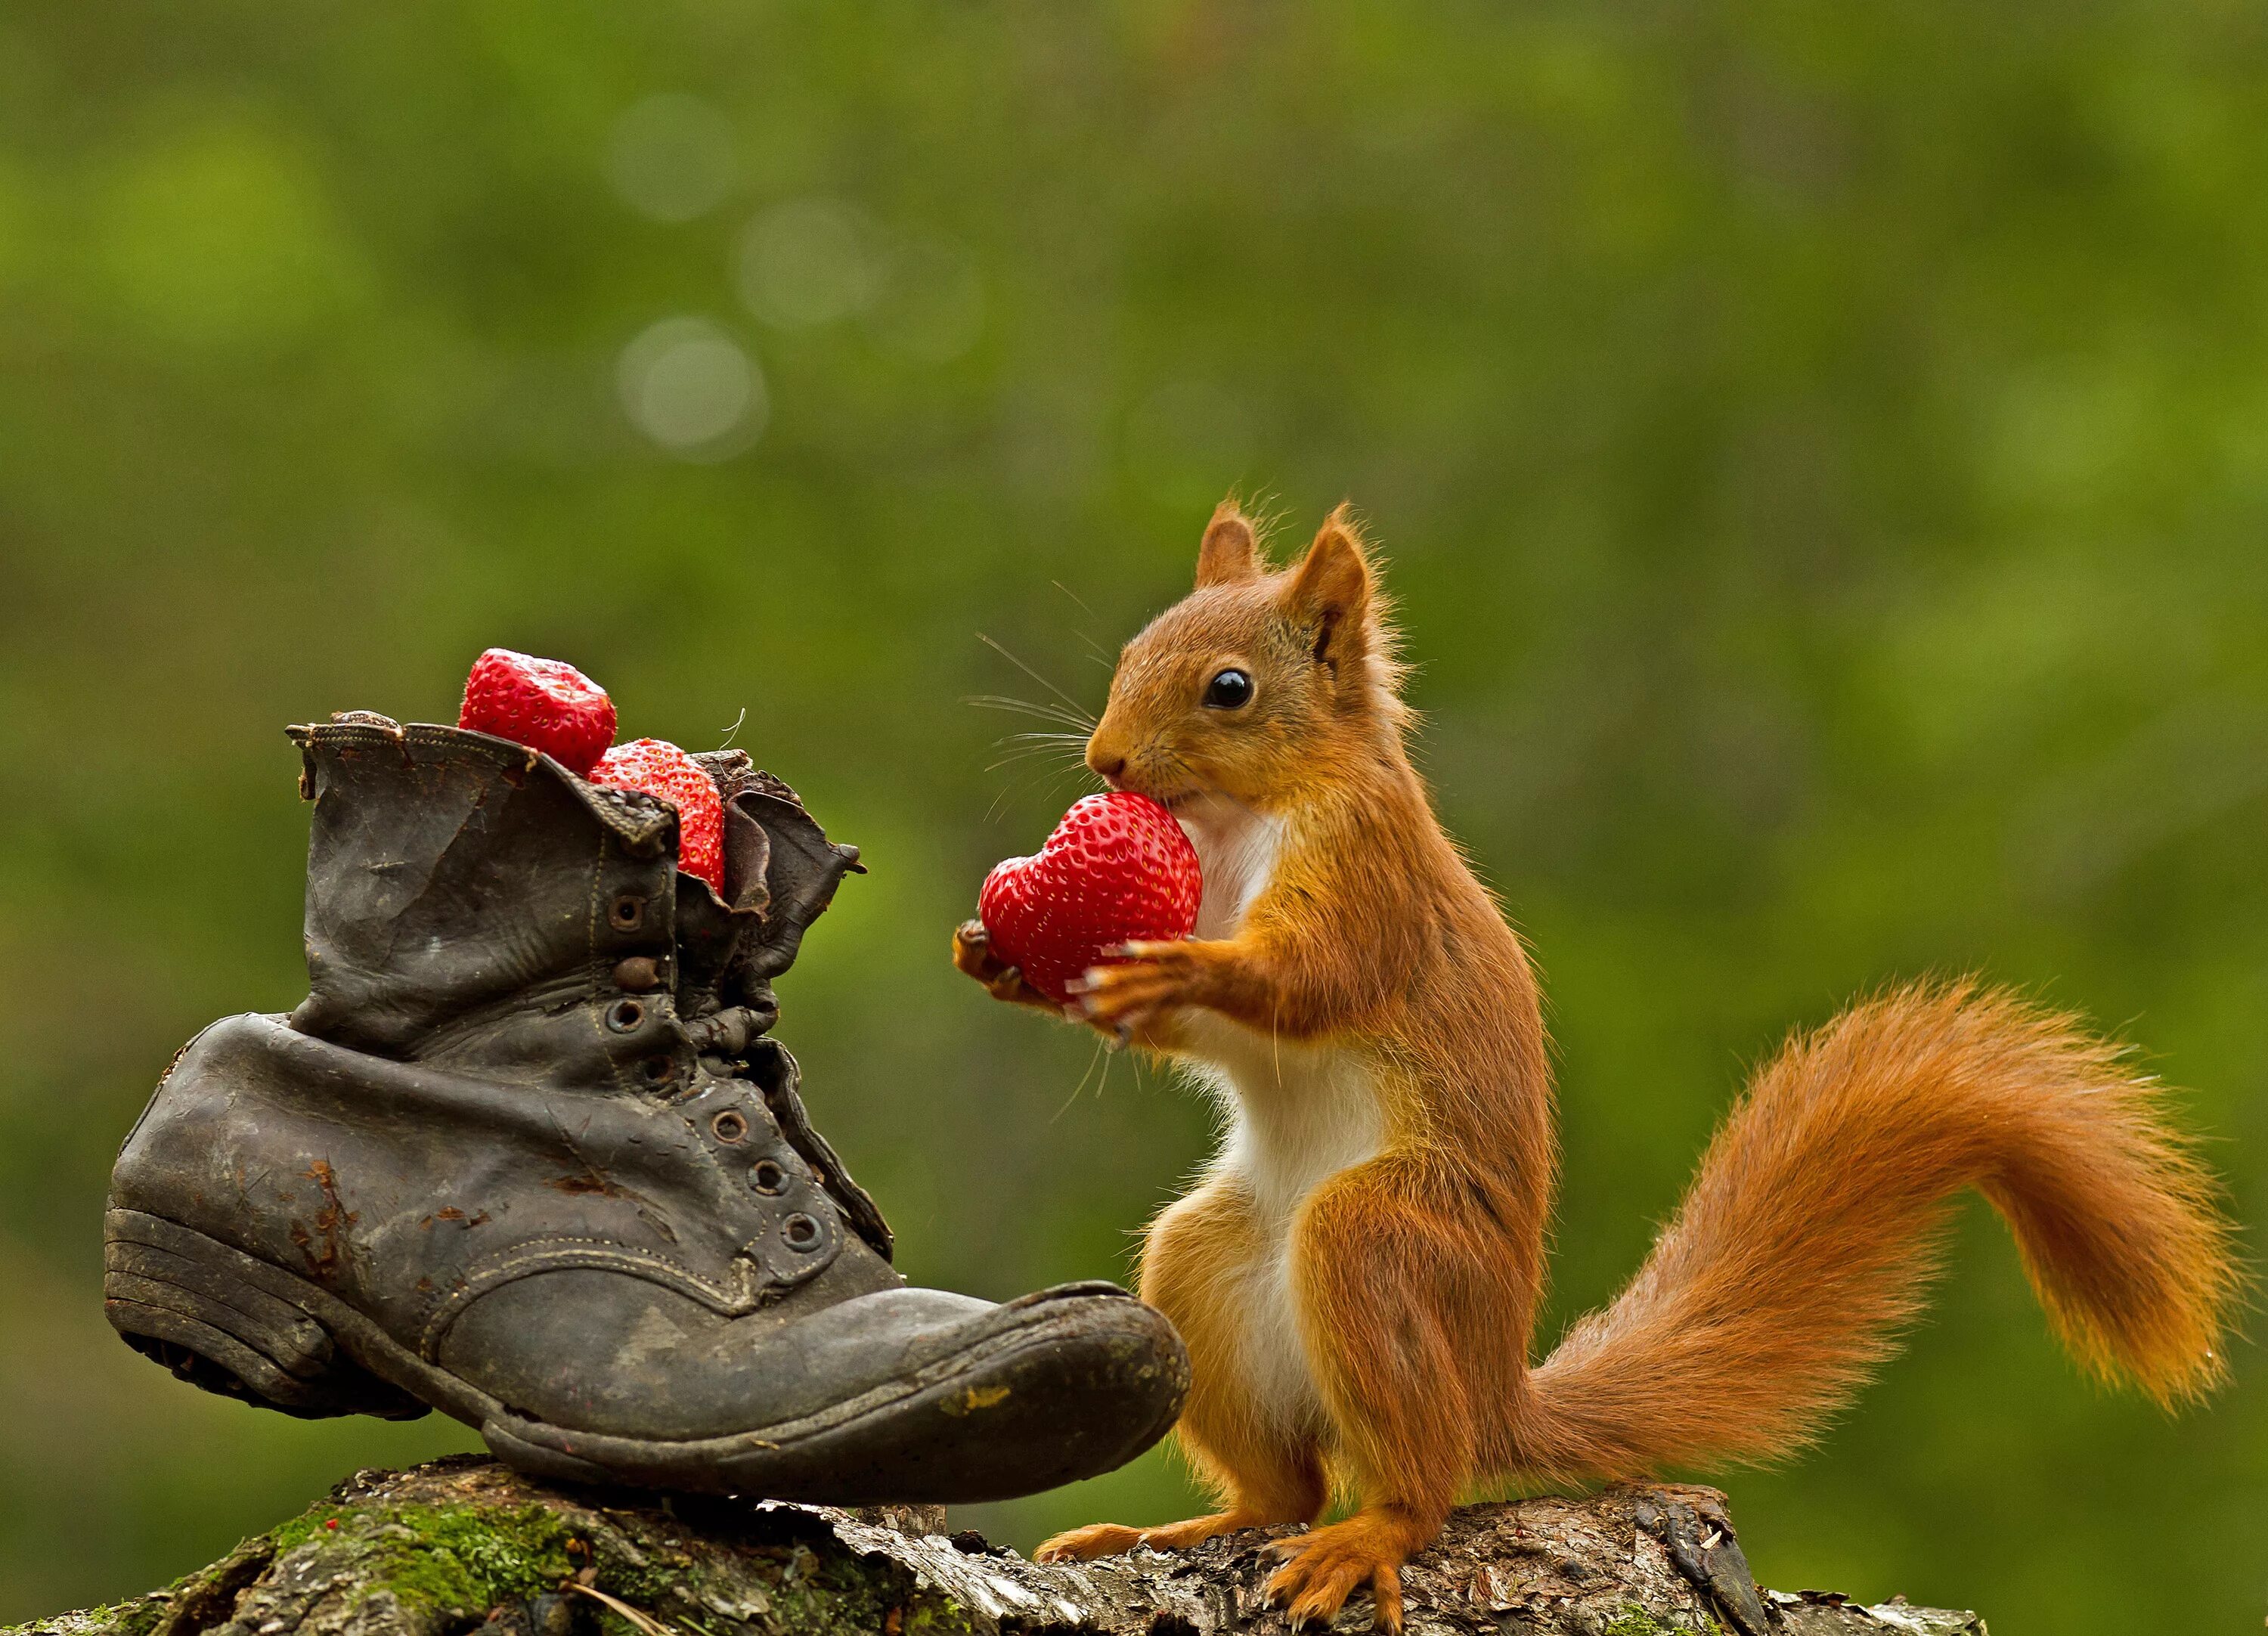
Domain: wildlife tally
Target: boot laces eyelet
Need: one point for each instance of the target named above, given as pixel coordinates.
(627, 912)
(800, 1231)
(729, 1127)
(624, 1016)
(769, 1177)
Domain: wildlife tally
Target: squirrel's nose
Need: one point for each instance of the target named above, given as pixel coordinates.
(1111, 768)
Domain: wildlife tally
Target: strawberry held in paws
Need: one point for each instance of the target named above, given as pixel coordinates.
(660, 768)
(1117, 870)
(540, 703)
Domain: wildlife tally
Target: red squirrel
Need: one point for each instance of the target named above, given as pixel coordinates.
(1358, 1270)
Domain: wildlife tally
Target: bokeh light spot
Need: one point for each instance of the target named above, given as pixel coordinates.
(688, 385)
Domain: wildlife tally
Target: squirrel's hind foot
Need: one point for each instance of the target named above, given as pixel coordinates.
(1083, 1545)
(1110, 1539)
(1324, 1566)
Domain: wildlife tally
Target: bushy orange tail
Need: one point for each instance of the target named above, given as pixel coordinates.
(1813, 1226)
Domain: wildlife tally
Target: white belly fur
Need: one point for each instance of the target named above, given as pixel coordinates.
(1295, 1114)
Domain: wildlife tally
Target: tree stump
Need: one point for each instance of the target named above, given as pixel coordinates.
(465, 1544)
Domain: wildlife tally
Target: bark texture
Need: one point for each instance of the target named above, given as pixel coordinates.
(462, 1544)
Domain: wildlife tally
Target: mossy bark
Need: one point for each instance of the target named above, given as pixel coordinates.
(442, 1549)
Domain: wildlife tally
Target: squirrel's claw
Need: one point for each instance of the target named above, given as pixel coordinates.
(1125, 999)
(1324, 1566)
(973, 955)
(973, 952)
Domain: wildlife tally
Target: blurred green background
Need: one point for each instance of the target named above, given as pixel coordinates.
(1823, 454)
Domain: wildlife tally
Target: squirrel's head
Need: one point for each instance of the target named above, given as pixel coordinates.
(1260, 679)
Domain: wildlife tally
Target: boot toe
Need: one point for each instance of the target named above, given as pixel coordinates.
(901, 1395)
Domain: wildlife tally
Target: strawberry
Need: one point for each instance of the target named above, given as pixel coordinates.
(1117, 870)
(540, 703)
(660, 768)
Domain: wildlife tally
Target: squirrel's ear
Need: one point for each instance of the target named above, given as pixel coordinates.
(1230, 551)
(1330, 592)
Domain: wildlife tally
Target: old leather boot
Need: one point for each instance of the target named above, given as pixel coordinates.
(524, 1154)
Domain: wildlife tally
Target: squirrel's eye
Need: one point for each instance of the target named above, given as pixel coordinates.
(1228, 690)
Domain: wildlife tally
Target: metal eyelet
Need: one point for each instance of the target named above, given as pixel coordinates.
(801, 1232)
(768, 1178)
(658, 1070)
(627, 912)
(625, 1016)
(729, 1127)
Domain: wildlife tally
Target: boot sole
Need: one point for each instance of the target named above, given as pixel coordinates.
(234, 1324)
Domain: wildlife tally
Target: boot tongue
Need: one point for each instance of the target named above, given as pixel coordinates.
(777, 861)
(748, 859)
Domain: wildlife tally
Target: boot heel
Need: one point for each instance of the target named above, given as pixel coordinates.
(221, 1320)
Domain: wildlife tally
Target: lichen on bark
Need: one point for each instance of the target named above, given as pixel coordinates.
(464, 1543)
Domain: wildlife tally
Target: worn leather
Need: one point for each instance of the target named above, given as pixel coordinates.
(526, 1152)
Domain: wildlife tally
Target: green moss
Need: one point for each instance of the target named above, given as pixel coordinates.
(938, 1618)
(1636, 1621)
(466, 1559)
(453, 1557)
(460, 1560)
(136, 1618)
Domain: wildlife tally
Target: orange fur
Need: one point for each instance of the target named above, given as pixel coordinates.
(1357, 1274)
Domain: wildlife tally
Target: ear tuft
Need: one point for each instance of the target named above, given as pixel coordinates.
(1330, 592)
(1231, 551)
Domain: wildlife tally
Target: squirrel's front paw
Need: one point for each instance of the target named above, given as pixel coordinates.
(1150, 980)
(972, 954)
